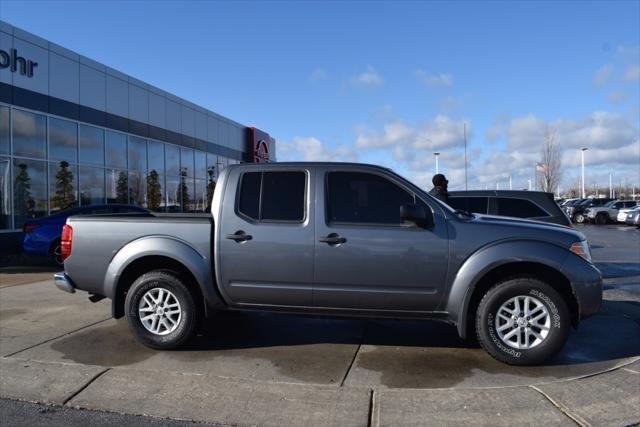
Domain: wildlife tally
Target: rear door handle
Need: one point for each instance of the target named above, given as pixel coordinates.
(239, 236)
(333, 239)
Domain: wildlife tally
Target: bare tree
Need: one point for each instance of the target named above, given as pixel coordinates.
(549, 168)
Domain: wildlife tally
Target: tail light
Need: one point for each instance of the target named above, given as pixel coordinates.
(28, 228)
(66, 242)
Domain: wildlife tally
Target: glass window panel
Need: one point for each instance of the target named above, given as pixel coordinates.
(5, 195)
(156, 156)
(63, 186)
(116, 150)
(172, 194)
(222, 163)
(91, 145)
(249, 203)
(29, 190)
(137, 189)
(186, 162)
(117, 186)
(186, 194)
(283, 196)
(155, 187)
(364, 198)
(63, 140)
(200, 199)
(519, 208)
(91, 185)
(4, 131)
(212, 167)
(29, 134)
(201, 165)
(172, 156)
(470, 204)
(137, 153)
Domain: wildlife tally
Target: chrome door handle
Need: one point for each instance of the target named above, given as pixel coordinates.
(239, 236)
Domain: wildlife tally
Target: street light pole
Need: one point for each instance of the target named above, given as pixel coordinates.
(582, 150)
(436, 154)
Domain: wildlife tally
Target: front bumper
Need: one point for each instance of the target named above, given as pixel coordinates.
(62, 282)
(586, 283)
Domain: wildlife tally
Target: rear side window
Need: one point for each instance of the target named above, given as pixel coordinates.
(519, 208)
(364, 198)
(273, 196)
(471, 204)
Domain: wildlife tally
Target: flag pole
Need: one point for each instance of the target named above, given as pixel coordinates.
(466, 182)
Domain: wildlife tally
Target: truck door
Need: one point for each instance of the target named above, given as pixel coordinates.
(265, 237)
(365, 257)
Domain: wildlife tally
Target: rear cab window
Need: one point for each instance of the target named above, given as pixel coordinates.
(277, 196)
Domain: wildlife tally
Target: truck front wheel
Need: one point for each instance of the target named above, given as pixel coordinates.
(522, 321)
(161, 310)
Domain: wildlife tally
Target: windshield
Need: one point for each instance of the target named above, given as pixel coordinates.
(609, 204)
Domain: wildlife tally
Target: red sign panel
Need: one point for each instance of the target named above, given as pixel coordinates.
(259, 145)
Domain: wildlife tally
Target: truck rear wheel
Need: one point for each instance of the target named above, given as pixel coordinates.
(522, 321)
(161, 310)
(601, 219)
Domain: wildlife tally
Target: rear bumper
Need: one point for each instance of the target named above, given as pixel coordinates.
(63, 282)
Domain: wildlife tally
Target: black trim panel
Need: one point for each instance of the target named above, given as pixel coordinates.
(25, 98)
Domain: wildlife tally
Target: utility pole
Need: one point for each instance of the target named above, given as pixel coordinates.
(466, 186)
(610, 186)
(582, 150)
(510, 186)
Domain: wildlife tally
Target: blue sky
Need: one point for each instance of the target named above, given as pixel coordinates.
(387, 83)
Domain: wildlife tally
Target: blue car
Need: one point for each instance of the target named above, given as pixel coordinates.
(42, 236)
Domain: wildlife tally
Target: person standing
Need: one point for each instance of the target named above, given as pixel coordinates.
(439, 190)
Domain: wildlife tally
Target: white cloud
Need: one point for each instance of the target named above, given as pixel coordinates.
(369, 78)
(311, 149)
(317, 75)
(618, 97)
(632, 74)
(434, 80)
(603, 75)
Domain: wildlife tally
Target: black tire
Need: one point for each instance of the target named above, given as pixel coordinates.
(579, 218)
(155, 281)
(55, 252)
(601, 219)
(504, 350)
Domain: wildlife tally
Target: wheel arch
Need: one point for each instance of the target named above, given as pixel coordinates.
(491, 265)
(158, 253)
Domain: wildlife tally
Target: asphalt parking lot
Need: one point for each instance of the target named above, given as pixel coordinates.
(269, 369)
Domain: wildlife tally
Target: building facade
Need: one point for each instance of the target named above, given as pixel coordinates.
(75, 132)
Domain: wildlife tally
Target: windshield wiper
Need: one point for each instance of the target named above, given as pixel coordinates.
(463, 212)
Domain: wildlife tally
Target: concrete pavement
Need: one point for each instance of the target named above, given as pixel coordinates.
(267, 369)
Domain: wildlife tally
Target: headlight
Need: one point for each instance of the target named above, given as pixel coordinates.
(582, 249)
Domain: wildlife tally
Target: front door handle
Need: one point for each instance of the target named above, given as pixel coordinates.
(239, 236)
(333, 239)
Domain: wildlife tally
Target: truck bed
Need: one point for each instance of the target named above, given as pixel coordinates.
(98, 238)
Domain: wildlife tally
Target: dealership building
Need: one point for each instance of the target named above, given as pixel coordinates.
(74, 132)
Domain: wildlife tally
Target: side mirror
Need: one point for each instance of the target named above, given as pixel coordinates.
(417, 214)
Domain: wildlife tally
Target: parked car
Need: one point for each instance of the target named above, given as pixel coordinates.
(608, 212)
(569, 206)
(622, 213)
(633, 217)
(576, 211)
(535, 205)
(337, 239)
(42, 236)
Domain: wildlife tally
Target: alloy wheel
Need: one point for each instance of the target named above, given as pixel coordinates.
(523, 322)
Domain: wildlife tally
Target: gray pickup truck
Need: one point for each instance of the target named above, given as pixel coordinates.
(337, 239)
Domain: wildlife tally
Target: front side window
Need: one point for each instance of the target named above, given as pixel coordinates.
(364, 198)
(519, 208)
(272, 196)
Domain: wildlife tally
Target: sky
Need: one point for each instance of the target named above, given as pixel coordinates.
(388, 83)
